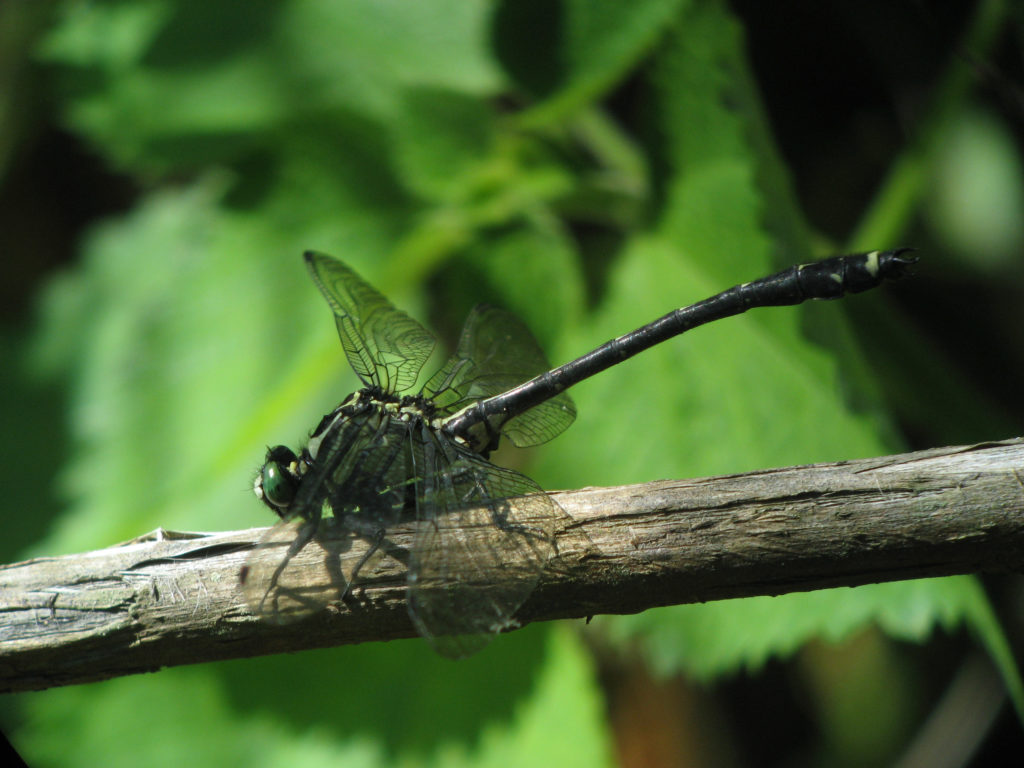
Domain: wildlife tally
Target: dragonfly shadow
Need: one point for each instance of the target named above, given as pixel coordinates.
(299, 568)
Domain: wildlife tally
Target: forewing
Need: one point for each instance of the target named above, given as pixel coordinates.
(384, 346)
(484, 535)
(496, 353)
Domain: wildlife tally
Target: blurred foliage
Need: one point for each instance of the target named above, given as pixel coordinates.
(589, 164)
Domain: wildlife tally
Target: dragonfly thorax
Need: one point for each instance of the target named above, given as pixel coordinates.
(282, 472)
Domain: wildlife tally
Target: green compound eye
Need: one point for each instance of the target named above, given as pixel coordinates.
(278, 485)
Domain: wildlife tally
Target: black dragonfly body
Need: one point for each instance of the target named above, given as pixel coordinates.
(483, 534)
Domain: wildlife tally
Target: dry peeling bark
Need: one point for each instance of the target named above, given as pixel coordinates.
(173, 598)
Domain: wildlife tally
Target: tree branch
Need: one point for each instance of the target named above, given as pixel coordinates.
(170, 599)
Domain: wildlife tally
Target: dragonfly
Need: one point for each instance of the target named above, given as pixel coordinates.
(385, 457)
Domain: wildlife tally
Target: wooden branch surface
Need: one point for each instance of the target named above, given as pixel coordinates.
(171, 599)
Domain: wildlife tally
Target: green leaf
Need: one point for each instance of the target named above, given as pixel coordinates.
(580, 48)
(724, 637)
(372, 705)
(238, 82)
(442, 139)
(163, 301)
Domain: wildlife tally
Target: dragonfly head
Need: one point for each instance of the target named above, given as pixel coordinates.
(278, 479)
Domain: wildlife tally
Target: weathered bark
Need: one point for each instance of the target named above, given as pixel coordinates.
(170, 599)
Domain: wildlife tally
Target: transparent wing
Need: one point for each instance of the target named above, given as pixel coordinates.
(497, 352)
(484, 535)
(385, 347)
